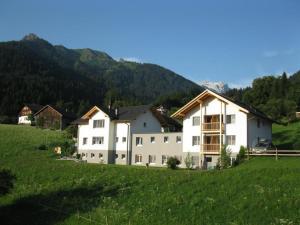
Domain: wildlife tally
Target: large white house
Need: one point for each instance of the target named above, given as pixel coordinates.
(106, 135)
(140, 135)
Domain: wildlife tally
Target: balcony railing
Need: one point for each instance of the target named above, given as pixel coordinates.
(213, 148)
(212, 126)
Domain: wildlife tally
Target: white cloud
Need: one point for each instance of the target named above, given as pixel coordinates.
(269, 54)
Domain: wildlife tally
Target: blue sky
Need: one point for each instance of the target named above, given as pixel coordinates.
(232, 41)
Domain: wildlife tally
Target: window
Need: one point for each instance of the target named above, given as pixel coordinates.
(123, 139)
(166, 139)
(116, 156)
(138, 158)
(196, 140)
(230, 119)
(208, 159)
(139, 141)
(178, 139)
(92, 155)
(123, 156)
(230, 139)
(84, 141)
(195, 160)
(196, 120)
(98, 140)
(82, 154)
(117, 139)
(258, 123)
(98, 123)
(164, 159)
(152, 140)
(145, 124)
(152, 158)
(100, 156)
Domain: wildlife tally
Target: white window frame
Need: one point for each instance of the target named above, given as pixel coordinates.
(195, 122)
(117, 139)
(230, 139)
(152, 159)
(99, 123)
(98, 140)
(230, 119)
(195, 140)
(139, 157)
(164, 159)
(84, 141)
(152, 139)
(124, 139)
(166, 139)
(139, 141)
(178, 139)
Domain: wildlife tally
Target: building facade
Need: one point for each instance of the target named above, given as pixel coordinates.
(105, 136)
(138, 135)
(27, 111)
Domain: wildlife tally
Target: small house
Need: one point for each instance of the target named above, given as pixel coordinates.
(28, 111)
(53, 118)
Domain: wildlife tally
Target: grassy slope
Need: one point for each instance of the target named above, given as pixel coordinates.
(287, 137)
(261, 191)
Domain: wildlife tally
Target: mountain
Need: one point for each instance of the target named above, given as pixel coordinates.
(219, 87)
(33, 70)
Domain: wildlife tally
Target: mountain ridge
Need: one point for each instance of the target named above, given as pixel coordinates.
(34, 70)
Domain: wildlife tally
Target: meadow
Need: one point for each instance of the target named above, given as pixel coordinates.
(49, 191)
(287, 137)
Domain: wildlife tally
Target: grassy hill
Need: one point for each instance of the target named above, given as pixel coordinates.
(49, 191)
(287, 137)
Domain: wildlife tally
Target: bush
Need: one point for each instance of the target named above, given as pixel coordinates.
(67, 148)
(224, 161)
(6, 181)
(188, 161)
(240, 156)
(173, 162)
(71, 131)
(42, 147)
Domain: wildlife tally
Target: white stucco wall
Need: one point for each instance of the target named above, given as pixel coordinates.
(152, 124)
(212, 106)
(89, 132)
(254, 132)
(23, 120)
(121, 130)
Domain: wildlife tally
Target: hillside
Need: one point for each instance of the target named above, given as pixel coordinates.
(47, 191)
(287, 136)
(33, 70)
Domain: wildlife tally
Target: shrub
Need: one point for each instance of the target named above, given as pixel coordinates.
(6, 181)
(42, 147)
(224, 160)
(240, 156)
(188, 161)
(67, 148)
(173, 162)
(71, 131)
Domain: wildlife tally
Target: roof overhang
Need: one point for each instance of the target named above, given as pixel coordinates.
(91, 112)
(47, 106)
(179, 114)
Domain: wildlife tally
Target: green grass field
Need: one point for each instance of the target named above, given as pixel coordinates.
(49, 191)
(287, 137)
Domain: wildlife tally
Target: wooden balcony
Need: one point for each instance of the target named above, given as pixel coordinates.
(214, 126)
(211, 148)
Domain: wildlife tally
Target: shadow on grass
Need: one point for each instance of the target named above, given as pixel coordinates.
(32, 209)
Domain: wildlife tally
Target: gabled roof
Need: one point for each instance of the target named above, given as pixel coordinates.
(62, 112)
(207, 93)
(129, 113)
(33, 107)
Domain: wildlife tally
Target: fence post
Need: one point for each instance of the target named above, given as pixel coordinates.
(276, 153)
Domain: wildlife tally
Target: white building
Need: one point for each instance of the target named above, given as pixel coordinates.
(137, 135)
(212, 120)
(106, 136)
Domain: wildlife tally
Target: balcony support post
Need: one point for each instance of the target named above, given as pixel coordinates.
(220, 121)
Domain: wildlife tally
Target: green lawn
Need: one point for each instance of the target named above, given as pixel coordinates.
(287, 137)
(48, 191)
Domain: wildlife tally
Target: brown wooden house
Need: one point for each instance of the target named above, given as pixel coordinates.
(27, 111)
(53, 118)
